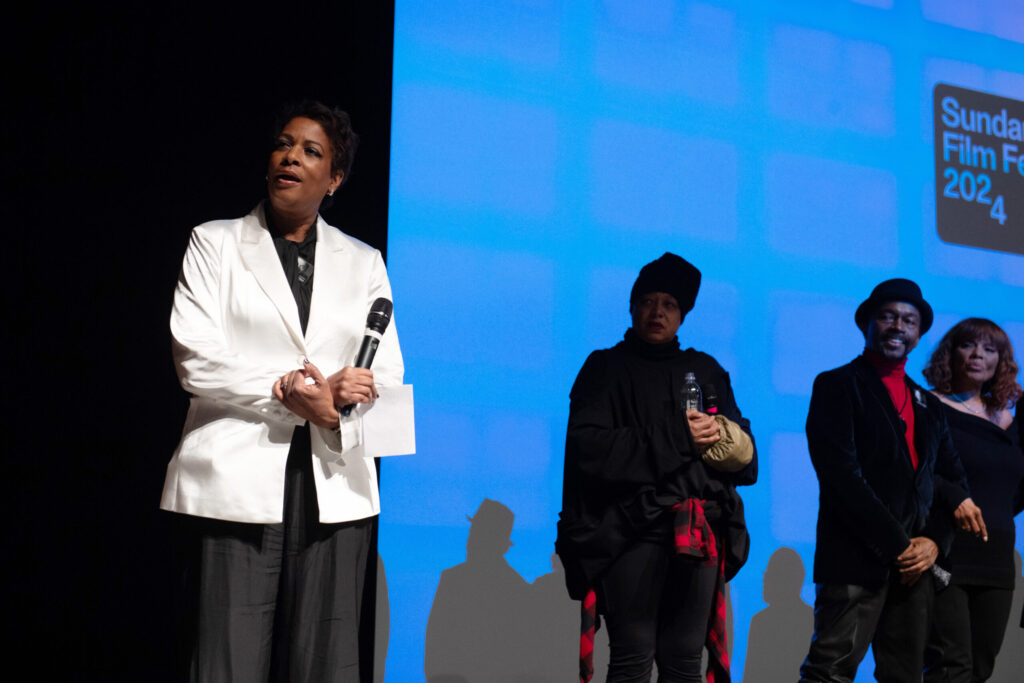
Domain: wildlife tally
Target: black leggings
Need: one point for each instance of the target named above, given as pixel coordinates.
(656, 605)
(970, 622)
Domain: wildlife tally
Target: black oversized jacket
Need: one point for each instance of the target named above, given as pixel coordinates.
(628, 451)
(871, 500)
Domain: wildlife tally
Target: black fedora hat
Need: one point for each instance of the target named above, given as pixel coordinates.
(897, 289)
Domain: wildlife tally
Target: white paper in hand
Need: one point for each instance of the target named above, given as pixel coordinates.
(388, 424)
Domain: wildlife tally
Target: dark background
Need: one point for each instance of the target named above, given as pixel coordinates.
(124, 130)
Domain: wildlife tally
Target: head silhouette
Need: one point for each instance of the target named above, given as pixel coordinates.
(490, 531)
(783, 577)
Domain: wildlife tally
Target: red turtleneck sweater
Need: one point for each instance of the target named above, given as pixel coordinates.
(893, 377)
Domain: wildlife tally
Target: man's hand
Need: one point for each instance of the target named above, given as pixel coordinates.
(916, 559)
(703, 429)
(968, 517)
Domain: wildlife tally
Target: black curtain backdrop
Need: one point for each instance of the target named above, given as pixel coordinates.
(122, 131)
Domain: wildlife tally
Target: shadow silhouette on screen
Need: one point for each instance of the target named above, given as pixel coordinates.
(557, 631)
(480, 624)
(382, 624)
(487, 625)
(780, 633)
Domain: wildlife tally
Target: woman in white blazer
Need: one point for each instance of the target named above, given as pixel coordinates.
(271, 473)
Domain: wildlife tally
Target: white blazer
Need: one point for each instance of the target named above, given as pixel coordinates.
(235, 329)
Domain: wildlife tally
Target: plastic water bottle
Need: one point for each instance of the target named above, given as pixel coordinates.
(691, 393)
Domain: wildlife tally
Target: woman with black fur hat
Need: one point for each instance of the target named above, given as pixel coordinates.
(651, 524)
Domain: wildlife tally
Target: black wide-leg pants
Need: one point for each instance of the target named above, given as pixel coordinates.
(278, 602)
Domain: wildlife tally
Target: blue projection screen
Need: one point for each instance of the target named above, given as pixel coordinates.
(543, 151)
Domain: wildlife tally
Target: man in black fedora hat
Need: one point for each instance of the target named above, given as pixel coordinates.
(889, 483)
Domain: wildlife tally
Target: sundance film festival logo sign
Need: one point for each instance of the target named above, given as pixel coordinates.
(979, 169)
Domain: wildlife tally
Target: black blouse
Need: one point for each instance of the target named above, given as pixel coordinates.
(994, 462)
(297, 259)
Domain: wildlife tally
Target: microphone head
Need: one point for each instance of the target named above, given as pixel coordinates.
(380, 315)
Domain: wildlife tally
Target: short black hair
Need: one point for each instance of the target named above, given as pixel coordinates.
(336, 124)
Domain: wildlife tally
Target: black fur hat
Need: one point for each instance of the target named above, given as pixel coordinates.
(670, 274)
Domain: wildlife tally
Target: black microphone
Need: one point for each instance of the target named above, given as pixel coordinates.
(376, 322)
(710, 399)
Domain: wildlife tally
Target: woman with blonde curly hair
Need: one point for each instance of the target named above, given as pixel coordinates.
(975, 376)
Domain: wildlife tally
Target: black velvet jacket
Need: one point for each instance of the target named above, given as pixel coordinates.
(871, 500)
(629, 455)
